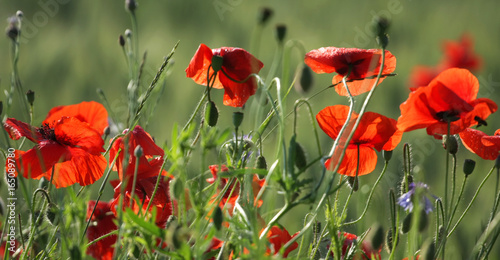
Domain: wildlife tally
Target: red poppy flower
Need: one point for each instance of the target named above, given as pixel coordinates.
(450, 96)
(237, 63)
(421, 76)
(486, 146)
(102, 223)
(144, 189)
(149, 163)
(229, 201)
(70, 147)
(91, 112)
(363, 64)
(278, 237)
(374, 131)
(460, 54)
(350, 240)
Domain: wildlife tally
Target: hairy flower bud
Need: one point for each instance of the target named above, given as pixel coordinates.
(211, 113)
(305, 80)
(387, 155)
(469, 166)
(261, 163)
(237, 119)
(138, 151)
(353, 183)
(218, 217)
(300, 157)
(450, 144)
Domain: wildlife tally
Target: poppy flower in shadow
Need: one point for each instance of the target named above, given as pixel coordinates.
(68, 144)
(277, 238)
(450, 98)
(102, 223)
(359, 65)
(237, 65)
(350, 248)
(486, 146)
(374, 132)
(150, 161)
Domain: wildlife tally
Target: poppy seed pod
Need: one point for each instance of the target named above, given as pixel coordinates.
(237, 119)
(30, 95)
(387, 155)
(138, 151)
(280, 32)
(211, 113)
(264, 15)
(450, 144)
(469, 165)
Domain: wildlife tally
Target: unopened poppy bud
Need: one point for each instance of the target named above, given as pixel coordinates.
(428, 250)
(264, 15)
(43, 183)
(406, 226)
(450, 144)
(107, 131)
(13, 29)
(121, 40)
(497, 162)
(138, 151)
(469, 165)
(261, 163)
(218, 217)
(217, 62)
(403, 188)
(211, 113)
(423, 220)
(441, 234)
(353, 183)
(381, 25)
(237, 119)
(130, 5)
(305, 81)
(389, 241)
(30, 95)
(280, 32)
(300, 157)
(52, 214)
(382, 40)
(387, 155)
(376, 236)
(128, 33)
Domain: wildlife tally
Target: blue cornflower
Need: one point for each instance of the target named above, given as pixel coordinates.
(406, 200)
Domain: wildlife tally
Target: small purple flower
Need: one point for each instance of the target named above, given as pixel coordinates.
(406, 200)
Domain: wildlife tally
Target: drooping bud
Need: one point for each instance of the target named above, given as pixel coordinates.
(353, 183)
(376, 236)
(403, 187)
(217, 62)
(43, 183)
(305, 80)
(280, 32)
(121, 40)
(138, 151)
(237, 119)
(389, 241)
(300, 157)
(261, 162)
(30, 95)
(469, 165)
(211, 113)
(264, 15)
(380, 26)
(130, 5)
(450, 144)
(52, 214)
(107, 131)
(387, 155)
(406, 226)
(218, 217)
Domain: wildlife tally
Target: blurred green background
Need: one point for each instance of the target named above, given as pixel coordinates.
(70, 49)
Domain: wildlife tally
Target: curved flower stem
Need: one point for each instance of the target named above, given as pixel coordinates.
(369, 197)
(471, 202)
(313, 121)
(196, 110)
(289, 45)
(34, 224)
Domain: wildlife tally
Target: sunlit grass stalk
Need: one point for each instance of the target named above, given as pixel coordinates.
(289, 45)
(313, 121)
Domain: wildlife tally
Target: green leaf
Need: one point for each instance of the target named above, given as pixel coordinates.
(144, 226)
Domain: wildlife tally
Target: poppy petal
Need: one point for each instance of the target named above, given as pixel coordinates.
(332, 118)
(487, 147)
(367, 161)
(91, 113)
(198, 66)
(75, 133)
(18, 129)
(38, 161)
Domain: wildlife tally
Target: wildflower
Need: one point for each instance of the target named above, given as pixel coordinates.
(406, 200)
(486, 146)
(149, 163)
(68, 143)
(375, 131)
(237, 65)
(361, 66)
(449, 98)
(278, 237)
(350, 246)
(456, 55)
(102, 223)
